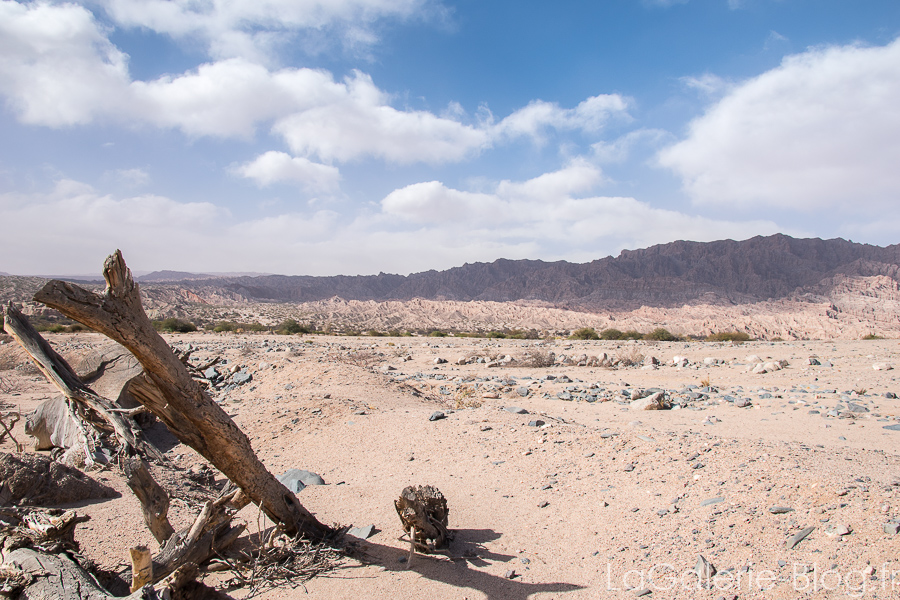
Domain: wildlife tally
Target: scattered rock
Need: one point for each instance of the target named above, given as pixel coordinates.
(882, 367)
(710, 501)
(891, 528)
(657, 401)
(362, 533)
(704, 569)
(837, 530)
(516, 410)
(799, 537)
(536, 423)
(523, 391)
(437, 416)
(440, 361)
(780, 510)
(297, 479)
(742, 402)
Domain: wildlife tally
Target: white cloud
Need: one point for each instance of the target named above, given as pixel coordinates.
(129, 177)
(590, 115)
(358, 121)
(419, 227)
(707, 84)
(822, 130)
(255, 28)
(544, 215)
(56, 66)
(273, 167)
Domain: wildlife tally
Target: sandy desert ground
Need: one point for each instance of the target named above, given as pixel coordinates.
(582, 496)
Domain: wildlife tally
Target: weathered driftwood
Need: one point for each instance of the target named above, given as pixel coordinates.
(141, 567)
(423, 512)
(59, 373)
(43, 575)
(210, 533)
(153, 498)
(179, 401)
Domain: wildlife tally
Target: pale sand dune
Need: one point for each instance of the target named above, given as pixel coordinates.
(600, 529)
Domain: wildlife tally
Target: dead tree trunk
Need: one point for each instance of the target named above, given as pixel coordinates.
(153, 498)
(45, 575)
(60, 374)
(186, 408)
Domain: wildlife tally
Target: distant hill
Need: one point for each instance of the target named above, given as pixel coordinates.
(156, 276)
(727, 271)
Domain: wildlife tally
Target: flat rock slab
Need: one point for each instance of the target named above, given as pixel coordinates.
(362, 533)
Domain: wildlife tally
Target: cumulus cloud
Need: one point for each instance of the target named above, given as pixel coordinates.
(821, 130)
(254, 28)
(418, 227)
(274, 167)
(58, 68)
(358, 121)
(546, 215)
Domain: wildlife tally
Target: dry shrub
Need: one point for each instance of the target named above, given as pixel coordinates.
(466, 398)
(631, 357)
(360, 358)
(537, 359)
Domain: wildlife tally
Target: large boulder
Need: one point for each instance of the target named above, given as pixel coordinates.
(36, 480)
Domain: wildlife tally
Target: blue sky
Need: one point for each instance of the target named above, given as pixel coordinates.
(357, 136)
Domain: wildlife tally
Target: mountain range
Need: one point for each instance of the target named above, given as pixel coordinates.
(666, 275)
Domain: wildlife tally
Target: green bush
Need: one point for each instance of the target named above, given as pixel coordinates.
(872, 336)
(728, 336)
(611, 334)
(290, 327)
(585, 333)
(233, 326)
(174, 325)
(661, 334)
(632, 334)
(437, 333)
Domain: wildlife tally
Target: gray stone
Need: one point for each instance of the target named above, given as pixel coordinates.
(628, 468)
(297, 479)
(780, 510)
(799, 537)
(523, 391)
(891, 528)
(544, 504)
(516, 410)
(241, 377)
(536, 423)
(890, 395)
(362, 533)
(211, 373)
(657, 401)
(892, 427)
(704, 568)
(742, 402)
(437, 416)
(837, 530)
(710, 501)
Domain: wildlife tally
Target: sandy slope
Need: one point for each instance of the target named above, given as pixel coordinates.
(599, 499)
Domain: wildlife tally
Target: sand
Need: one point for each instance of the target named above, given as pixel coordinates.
(599, 501)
